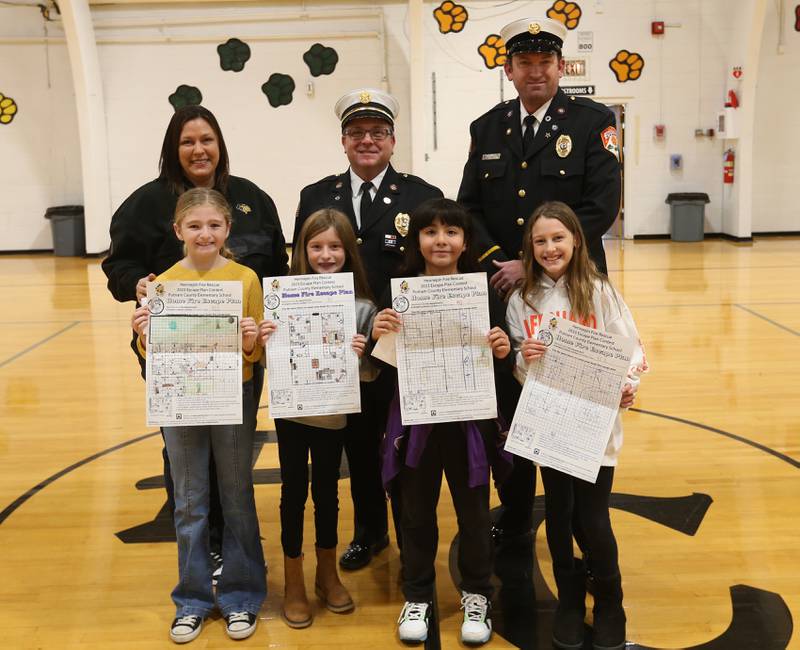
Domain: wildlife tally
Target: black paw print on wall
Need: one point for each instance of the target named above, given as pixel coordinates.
(278, 89)
(320, 59)
(233, 54)
(185, 96)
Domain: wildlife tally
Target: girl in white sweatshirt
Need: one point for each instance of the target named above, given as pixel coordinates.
(561, 279)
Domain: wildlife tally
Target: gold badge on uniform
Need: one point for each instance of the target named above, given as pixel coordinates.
(243, 207)
(534, 28)
(401, 222)
(365, 97)
(563, 146)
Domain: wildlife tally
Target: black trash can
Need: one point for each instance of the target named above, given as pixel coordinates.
(69, 233)
(687, 212)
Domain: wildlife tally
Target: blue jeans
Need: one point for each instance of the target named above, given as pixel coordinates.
(243, 585)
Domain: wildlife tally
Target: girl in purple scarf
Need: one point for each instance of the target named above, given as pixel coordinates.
(439, 242)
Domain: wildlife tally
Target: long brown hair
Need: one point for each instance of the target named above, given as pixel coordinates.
(169, 164)
(199, 196)
(318, 222)
(581, 273)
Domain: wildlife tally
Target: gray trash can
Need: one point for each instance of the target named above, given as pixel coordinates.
(69, 233)
(687, 212)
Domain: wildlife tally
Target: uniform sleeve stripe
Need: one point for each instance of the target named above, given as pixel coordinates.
(489, 252)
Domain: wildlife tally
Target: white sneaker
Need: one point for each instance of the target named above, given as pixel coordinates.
(477, 625)
(240, 625)
(185, 628)
(413, 622)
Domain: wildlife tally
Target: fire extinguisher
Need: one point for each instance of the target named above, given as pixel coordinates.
(728, 160)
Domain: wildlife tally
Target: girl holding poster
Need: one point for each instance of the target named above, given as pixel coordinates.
(439, 242)
(326, 244)
(203, 223)
(560, 278)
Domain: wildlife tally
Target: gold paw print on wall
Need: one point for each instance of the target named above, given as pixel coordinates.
(493, 51)
(568, 13)
(450, 16)
(8, 109)
(627, 66)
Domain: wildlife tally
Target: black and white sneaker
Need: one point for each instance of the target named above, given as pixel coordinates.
(477, 626)
(412, 626)
(240, 625)
(216, 567)
(185, 628)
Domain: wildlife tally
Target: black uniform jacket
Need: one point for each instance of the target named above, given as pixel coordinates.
(502, 185)
(143, 240)
(381, 243)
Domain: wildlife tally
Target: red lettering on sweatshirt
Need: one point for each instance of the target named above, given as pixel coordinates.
(535, 320)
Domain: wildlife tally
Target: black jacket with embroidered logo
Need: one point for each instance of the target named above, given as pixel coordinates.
(143, 240)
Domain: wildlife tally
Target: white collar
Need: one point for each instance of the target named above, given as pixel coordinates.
(539, 113)
(356, 181)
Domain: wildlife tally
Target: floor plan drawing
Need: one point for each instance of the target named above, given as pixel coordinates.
(192, 362)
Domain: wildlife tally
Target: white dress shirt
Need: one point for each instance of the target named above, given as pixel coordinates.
(538, 114)
(356, 182)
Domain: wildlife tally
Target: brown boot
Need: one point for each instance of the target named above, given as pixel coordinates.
(296, 610)
(327, 584)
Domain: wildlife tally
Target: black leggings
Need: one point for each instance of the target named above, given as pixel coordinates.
(565, 495)
(295, 442)
(445, 452)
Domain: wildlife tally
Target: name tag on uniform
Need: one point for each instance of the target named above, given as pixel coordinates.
(390, 241)
(490, 156)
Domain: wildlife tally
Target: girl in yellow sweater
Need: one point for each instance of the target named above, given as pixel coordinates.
(203, 223)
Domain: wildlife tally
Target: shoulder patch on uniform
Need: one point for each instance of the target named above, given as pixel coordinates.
(608, 137)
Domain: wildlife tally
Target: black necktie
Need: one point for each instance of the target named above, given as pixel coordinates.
(527, 137)
(366, 202)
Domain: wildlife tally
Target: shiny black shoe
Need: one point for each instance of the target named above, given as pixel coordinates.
(357, 556)
(381, 544)
(497, 534)
(502, 535)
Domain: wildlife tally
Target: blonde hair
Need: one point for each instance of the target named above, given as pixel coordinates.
(200, 196)
(319, 222)
(581, 273)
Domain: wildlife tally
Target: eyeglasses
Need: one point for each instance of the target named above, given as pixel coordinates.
(377, 134)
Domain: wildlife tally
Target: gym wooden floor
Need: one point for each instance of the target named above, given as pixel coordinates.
(707, 507)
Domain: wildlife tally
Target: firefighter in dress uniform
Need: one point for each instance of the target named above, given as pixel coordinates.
(378, 201)
(542, 146)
